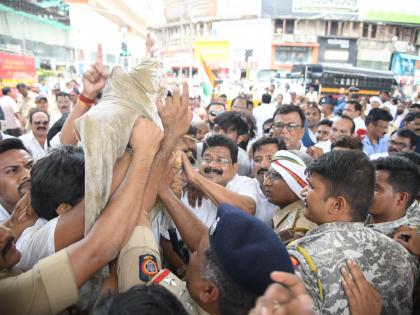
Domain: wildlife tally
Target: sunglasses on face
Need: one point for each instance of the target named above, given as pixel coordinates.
(37, 123)
(214, 113)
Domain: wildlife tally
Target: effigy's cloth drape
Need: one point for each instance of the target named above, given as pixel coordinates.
(106, 129)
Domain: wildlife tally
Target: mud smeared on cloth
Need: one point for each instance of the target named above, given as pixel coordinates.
(105, 130)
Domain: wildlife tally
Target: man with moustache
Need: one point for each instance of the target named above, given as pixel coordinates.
(217, 181)
(36, 140)
(262, 151)
(15, 164)
(283, 184)
(63, 105)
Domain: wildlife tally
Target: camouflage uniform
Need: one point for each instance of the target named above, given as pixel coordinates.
(319, 256)
(413, 214)
(289, 222)
(388, 228)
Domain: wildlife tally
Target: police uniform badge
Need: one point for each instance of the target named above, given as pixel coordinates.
(214, 226)
(148, 267)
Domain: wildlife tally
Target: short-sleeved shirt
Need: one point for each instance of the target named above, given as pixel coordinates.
(9, 107)
(289, 222)
(36, 242)
(48, 288)
(385, 263)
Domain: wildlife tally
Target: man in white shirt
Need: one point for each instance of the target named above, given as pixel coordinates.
(11, 113)
(262, 151)
(216, 182)
(353, 109)
(15, 164)
(343, 126)
(263, 112)
(36, 140)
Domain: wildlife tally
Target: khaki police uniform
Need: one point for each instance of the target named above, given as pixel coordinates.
(319, 255)
(139, 263)
(48, 288)
(290, 224)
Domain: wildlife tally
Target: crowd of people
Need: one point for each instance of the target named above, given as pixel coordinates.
(308, 206)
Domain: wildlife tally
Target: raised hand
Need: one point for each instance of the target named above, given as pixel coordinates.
(94, 80)
(288, 297)
(175, 114)
(146, 136)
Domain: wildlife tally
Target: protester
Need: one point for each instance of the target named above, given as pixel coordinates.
(11, 113)
(262, 151)
(36, 140)
(376, 139)
(289, 121)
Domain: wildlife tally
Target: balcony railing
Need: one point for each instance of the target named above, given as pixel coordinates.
(33, 9)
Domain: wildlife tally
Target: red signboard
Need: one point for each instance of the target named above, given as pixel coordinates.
(16, 68)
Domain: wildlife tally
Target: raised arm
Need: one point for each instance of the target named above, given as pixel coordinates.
(217, 193)
(119, 217)
(93, 82)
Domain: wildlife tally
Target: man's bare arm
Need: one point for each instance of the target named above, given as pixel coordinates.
(71, 225)
(93, 82)
(217, 193)
(119, 217)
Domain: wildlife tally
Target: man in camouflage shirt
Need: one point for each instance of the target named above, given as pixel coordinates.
(397, 185)
(338, 196)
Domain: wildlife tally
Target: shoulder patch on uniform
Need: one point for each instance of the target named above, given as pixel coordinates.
(295, 262)
(148, 267)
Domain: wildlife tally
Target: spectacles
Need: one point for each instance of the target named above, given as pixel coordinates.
(37, 123)
(272, 176)
(219, 160)
(290, 127)
(397, 144)
(214, 113)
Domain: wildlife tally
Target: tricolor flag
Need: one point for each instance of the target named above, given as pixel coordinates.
(207, 76)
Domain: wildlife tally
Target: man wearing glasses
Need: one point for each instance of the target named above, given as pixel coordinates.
(289, 121)
(402, 140)
(36, 140)
(283, 184)
(217, 181)
(214, 109)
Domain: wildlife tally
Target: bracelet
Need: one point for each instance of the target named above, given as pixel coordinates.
(83, 103)
(86, 100)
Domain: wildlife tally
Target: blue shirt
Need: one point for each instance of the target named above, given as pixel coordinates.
(380, 147)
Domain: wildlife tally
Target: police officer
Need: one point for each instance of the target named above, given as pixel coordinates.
(338, 196)
(283, 184)
(230, 264)
(52, 284)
